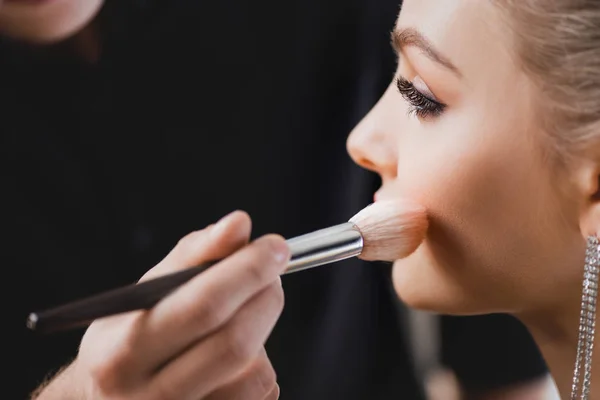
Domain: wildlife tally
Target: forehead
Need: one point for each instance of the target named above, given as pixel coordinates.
(472, 34)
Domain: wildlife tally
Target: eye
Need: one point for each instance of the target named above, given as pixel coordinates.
(422, 105)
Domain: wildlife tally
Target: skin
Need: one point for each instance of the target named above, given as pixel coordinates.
(508, 225)
(222, 319)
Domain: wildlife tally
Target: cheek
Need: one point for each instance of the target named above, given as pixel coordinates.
(486, 193)
(465, 179)
(457, 165)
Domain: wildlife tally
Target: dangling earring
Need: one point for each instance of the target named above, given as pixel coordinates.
(587, 321)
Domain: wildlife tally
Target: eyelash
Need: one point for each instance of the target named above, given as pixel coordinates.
(420, 104)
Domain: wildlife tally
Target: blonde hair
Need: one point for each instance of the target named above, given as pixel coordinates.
(558, 42)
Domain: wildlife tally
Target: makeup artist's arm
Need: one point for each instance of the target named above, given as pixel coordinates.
(204, 341)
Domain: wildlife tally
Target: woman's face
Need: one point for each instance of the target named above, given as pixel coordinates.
(455, 131)
(45, 21)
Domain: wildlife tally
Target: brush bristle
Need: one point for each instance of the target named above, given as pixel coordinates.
(391, 229)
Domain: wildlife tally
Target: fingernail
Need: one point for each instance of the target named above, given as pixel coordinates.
(221, 225)
(281, 251)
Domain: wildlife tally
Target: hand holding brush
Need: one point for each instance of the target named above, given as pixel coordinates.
(202, 336)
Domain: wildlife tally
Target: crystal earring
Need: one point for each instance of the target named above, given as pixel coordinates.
(587, 322)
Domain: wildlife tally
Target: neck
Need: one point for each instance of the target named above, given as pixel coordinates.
(556, 334)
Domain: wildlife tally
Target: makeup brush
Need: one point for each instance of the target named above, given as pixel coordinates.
(383, 231)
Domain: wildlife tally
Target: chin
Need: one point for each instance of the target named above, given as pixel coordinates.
(427, 286)
(48, 21)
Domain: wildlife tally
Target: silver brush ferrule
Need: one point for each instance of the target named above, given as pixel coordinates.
(324, 246)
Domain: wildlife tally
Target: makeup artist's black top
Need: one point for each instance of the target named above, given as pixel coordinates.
(197, 108)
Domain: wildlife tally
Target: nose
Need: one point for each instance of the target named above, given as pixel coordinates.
(373, 145)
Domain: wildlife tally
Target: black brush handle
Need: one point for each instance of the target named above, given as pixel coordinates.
(311, 250)
(132, 297)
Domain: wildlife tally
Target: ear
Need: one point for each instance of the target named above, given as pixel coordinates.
(587, 186)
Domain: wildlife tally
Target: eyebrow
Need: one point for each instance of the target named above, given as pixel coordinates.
(412, 37)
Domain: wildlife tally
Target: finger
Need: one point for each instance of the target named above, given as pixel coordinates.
(255, 383)
(214, 242)
(210, 299)
(223, 355)
(274, 394)
(211, 243)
